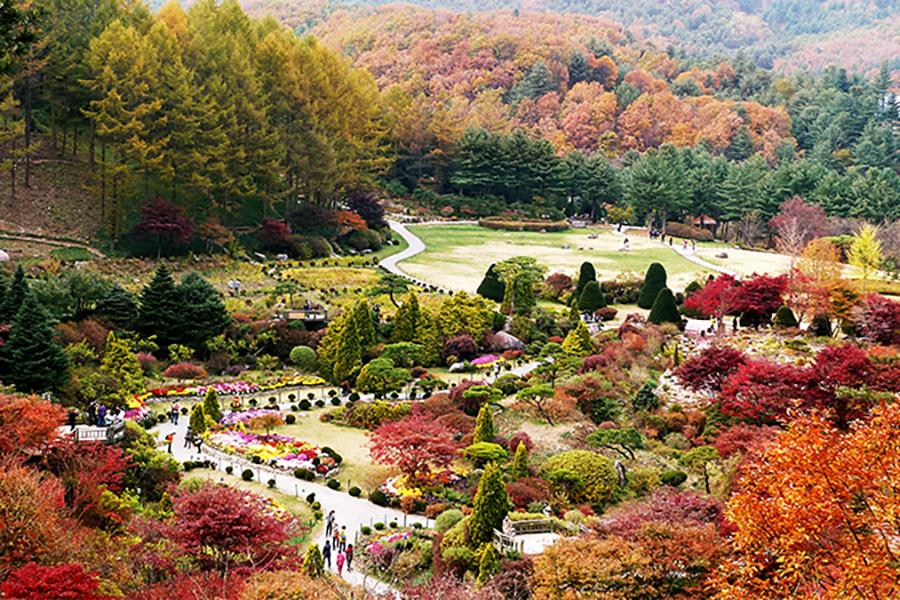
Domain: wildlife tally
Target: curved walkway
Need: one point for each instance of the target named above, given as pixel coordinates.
(687, 254)
(48, 241)
(415, 246)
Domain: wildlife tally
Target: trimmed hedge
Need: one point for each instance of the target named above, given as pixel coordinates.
(682, 230)
(525, 225)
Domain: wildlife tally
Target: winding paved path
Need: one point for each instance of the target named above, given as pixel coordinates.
(415, 246)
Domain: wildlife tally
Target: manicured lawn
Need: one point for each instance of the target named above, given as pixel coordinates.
(352, 444)
(458, 255)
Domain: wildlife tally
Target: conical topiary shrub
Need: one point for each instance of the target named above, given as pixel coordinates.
(491, 287)
(591, 298)
(664, 309)
(586, 274)
(654, 281)
(784, 317)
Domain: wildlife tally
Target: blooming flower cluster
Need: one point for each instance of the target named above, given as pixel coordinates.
(231, 388)
(280, 451)
(487, 361)
(377, 544)
(243, 416)
(400, 486)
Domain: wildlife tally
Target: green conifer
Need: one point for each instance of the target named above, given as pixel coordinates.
(578, 341)
(488, 563)
(14, 296)
(520, 462)
(203, 312)
(489, 508)
(198, 420)
(664, 309)
(586, 274)
(491, 287)
(654, 280)
(31, 359)
(313, 563)
(591, 298)
(364, 325)
(406, 320)
(211, 406)
(118, 307)
(348, 354)
(161, 309)
(484, 426)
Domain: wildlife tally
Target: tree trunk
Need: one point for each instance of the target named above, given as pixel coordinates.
(12, 173)
(28, 127)
(91, 145)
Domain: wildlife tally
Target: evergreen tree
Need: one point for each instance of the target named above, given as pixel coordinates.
(491, 287)
(654, 281)
(348, 354)
(488, 564)
(406, 321)
(364, 324)
(161, 309)
(484, 426)
(490, 506)
(578, 341)
(578, 68)
(120, 366)
(537, 82)
(664, 309)
(14, 296)
(591, 298)
(784, 317)
(741, 147)
(198, 420)
(646, 399)
(585, 274)
(211, 406)
(202, 311)
(31, 360)
(118, 307)
(4, 286)
(520, 462)
(313, 563)
(429, 337)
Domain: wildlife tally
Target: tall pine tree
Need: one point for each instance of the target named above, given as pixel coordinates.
(31, 360)
(161, 309)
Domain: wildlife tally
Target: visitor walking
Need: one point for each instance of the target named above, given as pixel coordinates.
(230, 286)
(693, 246)
(326, 553)
(73, 417)
(187, 438)
(329, 524)
(176, 410)
(335, 537)
(101, 416)
(169, 439)
(684, 245)
(340, 564)
(349, 555)
(343, 538)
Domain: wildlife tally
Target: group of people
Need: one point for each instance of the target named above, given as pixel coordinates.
(234, 287)
(336, 543)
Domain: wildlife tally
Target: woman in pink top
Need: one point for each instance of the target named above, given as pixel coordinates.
(340, 564)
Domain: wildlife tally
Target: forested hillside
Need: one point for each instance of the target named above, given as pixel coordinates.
(859, 34)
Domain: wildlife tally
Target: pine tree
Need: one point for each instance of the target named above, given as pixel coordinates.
(4, 286)
(784, 317)
(31, 360)
(406, 320)
(313, 563)
(14, 297)
(578, 341)
(488, 564)
(202, 311)
(491, 287)
(120, 366)
(364, 324)
(161, 309)
(489, 508)
(211, 406)
(591, 298)
(654, 280)
(118, 307)
(484, 426)
(198, 420)
(585, 274)
(664, 309)
(646, 399)
(520, 462)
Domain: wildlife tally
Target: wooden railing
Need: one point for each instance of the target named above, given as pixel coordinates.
(90, 433)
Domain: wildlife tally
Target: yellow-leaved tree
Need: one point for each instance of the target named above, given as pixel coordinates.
(865, 253)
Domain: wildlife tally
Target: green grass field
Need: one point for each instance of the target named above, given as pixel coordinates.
(458, 255)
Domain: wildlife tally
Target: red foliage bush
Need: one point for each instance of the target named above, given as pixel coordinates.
(415, 444)
(664, 505)
(27, 423)
(59, 582)
(522, 437)
(457, 422)
(437, 405)
(195, 586)
(148, 362)
(743, 438)
(185, 370)
(462, 346)
(523, 492)
(762, 392)
(708, 370)
(879, 319)
(231, 521)
(275, 235)
(607, 313)
(89, 331)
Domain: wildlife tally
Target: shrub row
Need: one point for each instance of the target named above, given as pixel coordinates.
(683, 230)
(525, 225)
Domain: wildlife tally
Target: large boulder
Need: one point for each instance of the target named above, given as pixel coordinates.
(4, 256)
(507, 341)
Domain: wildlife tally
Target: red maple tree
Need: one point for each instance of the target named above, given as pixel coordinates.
(415, 444)
(60, 582)
(27, 423)
(708, 370)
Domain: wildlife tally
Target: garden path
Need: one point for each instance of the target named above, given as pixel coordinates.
(350, 512)
(686, 253)
(415, 246)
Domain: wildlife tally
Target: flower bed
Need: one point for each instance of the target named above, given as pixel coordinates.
(243, 416)
(280, 451)
(229, 388)
(487, 361)
(401, 487)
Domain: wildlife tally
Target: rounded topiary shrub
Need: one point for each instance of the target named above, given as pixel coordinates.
(664, 309)
(784, 317)
(447, 519)
(335, 401)
(320, 403)
(378, 498)
(311, 498)
(654, 280)
(304, 474)
(378, 526)
(355, 492)
(333, 484)
(365, 530)
(290, 419)
(271, 483)
(229, 469)
(305, 405)
(673, 478)
(596, 475)
(247, 475)
(394, 525)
